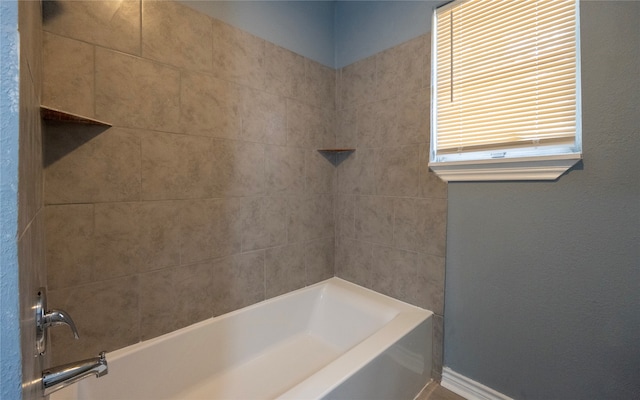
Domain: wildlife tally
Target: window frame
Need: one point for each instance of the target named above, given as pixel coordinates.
(526, 163)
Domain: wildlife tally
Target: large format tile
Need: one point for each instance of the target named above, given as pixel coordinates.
(68, 75)
(310, 217)
(264, 117)
(394, 272)
(320, 172)
(374, 219)
(319, 260)
(320, 85)
(196, 230)
(210, 106)
(377, 124)
(431, 186)
(284, 170)
(353, 261)
(284, 269)
(134, 92)
(285, 71)
(346, 128)
(238, 168)
(100, 328)
(412, 109)
(420, 225)
(238, 56)
(111, 24)
(400, 68)
(356, 174)
(86, 164)
(238, 281)
(265, 222)
(69, 245)
(175, 34)
(176, 166)
(430, 281)
(397, 171)
(356, 84)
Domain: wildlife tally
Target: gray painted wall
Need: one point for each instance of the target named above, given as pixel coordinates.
(542, 296)
(10, 369)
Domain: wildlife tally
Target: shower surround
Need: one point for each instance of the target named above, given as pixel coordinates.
(208, 194)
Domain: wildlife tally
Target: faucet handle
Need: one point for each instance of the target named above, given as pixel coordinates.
(59, 317)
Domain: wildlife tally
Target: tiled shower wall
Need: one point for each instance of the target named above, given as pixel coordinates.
(391, 211)
(31, 211)
(205, 196)
(208, 193)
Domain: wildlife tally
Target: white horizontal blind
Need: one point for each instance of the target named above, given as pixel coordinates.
(506, 74)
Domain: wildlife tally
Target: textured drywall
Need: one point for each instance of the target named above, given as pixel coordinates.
(543, 278)
(10, 374)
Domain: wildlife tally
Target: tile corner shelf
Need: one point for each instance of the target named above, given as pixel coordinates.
(52, 114)
(337, 150)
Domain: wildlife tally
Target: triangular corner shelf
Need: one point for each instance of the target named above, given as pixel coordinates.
(52, 114)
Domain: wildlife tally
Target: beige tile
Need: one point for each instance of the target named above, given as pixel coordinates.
(310, 217)
(356, 174)
(357, 83)
(209, 106)
(394, 272)
(30, 169)
(346, 128)
(284, 269)
(117, 240)
(238, 56)
(238, 168)
(420, 225)
(194, 294)
(227, 224)
(99, 327)
(377, 124)
(159, 235)
(430, 283)
(320, 172)
(413, 113)
(87, 164)
(297, 130)
(30, 23)
(264, 117)
(320, 85)
(135, 92)
(426, 62)
(265, 224)
(353, 261)
(196, 243)
(111, 24)
(397, 171)
(176, 166)
(285, 71)
(174, 298)
(238, 281)
(68, 75)
(431, 186)
(157, 303)
(438, 347)
(284, 170)
(400, 69)
(175, 34)
(319, 260)
(69, 245)
(345, 216)
(374, 219)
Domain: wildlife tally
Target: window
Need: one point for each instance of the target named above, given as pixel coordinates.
(505, 90)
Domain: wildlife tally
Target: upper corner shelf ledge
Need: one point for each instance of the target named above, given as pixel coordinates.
(337, 150)
(52, 114)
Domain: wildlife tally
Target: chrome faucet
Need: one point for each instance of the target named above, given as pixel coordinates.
(57, 378)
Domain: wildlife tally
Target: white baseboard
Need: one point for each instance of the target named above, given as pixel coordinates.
(468, 388)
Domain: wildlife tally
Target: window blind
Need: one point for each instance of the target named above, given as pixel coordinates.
(506, 74)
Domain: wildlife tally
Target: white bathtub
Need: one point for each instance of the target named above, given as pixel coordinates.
(332, 340)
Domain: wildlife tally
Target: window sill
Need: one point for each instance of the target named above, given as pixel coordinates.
(547, 168)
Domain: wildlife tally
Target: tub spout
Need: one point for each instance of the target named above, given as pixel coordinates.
(62, 376)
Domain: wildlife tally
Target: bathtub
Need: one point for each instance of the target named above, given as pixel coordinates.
(331, 340)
